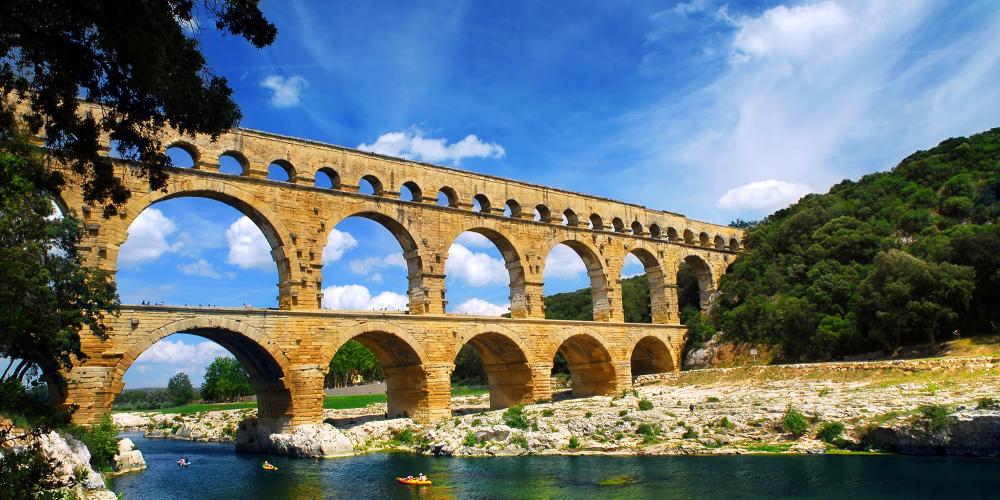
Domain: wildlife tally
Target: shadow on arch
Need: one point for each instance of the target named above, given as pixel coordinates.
(651, 355)
(589, 363)
(505, 365)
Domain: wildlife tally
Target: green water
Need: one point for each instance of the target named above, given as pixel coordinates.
(218, 472)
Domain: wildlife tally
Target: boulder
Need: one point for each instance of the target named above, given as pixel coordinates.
(71, 459)
(129, 458)
(311, 440)
(971, 433)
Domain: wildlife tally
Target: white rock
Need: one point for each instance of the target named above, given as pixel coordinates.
(128, 459)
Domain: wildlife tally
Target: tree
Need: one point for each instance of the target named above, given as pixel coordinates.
(137, 60)
(353, 359)
(225, 378)
(180, 390)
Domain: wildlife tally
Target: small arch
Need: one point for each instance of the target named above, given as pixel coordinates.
(182, 154)
(720, 243)
(410, 191)
(447, 197)
(481, 204)
(570, 218)
(591, 371)
(233, 163)
(672, 234)
(618, 225)
(734, 244)
(637, 228)
(689, 237)
(281, 170)
(512, 209)
(327, 178)
(704, 240)
(654, 231)
(542, 213)
(370, 185)
(596, 222)
(651, 355)
(506, 365)
(706, 282)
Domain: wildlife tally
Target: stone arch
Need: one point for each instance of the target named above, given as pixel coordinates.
(414, 191)
(543, 213)
(188, 148)
(513, 207)
(570, 217)
(592, 371)
(672, 234)
(651, 354)
(505, 360)
(689, 237)
(513, 259)
(596, 222)
(654, 231)
(378, 189)
(706, 279)
(286, 166)
(267, 365)
(659, 305)
(617, 225)
(734, 245)
(704, 239)
(484, 203)
(636, 228)
(451, 198)
(331, 174)
(719, 242)
(595, 270)
(403, 363)
(239, 157)
(276, 234)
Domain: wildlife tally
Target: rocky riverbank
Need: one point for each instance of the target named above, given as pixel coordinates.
(926, 406)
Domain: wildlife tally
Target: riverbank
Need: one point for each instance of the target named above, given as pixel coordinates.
(716, 411)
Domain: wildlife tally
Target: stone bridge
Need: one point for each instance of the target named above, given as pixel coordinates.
(287, 350)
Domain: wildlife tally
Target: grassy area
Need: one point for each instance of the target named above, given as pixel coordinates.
(329, 402)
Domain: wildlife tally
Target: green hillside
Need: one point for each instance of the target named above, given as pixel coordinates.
(897, 257)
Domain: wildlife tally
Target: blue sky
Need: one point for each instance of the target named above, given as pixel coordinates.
(714, 109)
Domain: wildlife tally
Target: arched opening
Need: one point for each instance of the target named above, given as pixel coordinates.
(672, 234)
(400, 365)
(720, 243)
(651, 355)
(512, 209)
(447, 197)
(591, 372)
(482, 273)
(410, 191)
(689, 237)
(543, 214)
(281, 171)
(200, 249)
(499, 362)
(643, 289)
(575, 285)
(704, 240)
(199, 363)
(327, 178)
(654, 231)
(734, 245)
(370, 262)
(694, 286)
(596, 222)
(182, 155)
(636, 228)
(233, 163)
(618, 225)
(570, 218)
(370, 185)
(480, 203)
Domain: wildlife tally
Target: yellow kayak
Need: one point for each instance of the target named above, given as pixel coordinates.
(415, 482)
(269, 467)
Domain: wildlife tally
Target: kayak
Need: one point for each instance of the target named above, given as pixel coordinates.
(416, 482)
(269, 467)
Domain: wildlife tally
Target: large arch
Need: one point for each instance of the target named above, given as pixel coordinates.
(650, 355)
(512, 257)
(592, 372)
(505, 360)
(706, 281)
(595, 271)
(403, 363)
(659, 304)
(267, 365)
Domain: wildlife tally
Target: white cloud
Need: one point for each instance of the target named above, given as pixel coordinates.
(366, 266)
(412, 144)
(762, 195)
(284, 91)
(337, 243)
(167, 351)
(147, 238)
(357, 297)
(474, 240)
(201, 267)
(632, 266)
(247, 247)
(563, 262)
(800, 31)
(475, 268)
(479, 307)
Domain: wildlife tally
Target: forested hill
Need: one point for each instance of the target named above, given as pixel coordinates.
(897, 257)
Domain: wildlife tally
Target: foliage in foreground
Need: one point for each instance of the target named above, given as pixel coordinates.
(794, 422)
(27, 473)
(101, 439)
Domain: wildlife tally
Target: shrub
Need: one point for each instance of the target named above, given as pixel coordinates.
(548, 412)
(27, 473)
(988, 404)
(830, 432)
(794, 422)
(724, 423)
(476, 422)
(588, 414)
(574, 442)
(645, 405)
(520, 441)
(404, 436)
(934, 417)
(648, 431)
(712, 399)
(514, 417)
(690, 432)
(622, 413)
(470, 439)
(102, 441)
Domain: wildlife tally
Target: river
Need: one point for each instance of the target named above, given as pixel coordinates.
(216, 471)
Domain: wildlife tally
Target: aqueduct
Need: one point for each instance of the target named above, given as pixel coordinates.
(286, 350)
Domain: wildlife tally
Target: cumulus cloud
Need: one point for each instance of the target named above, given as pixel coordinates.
(475, 268)
(284, 90)
(479, 307)
(632, 266)
(762, 195)
(337, 243)
(793, 32)
(147, 238)
(247, 247)
(358, 297)
(470, 239)
(412, 144)
(367, 266)
(201, 267)
(563, 262)
(167, 351)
